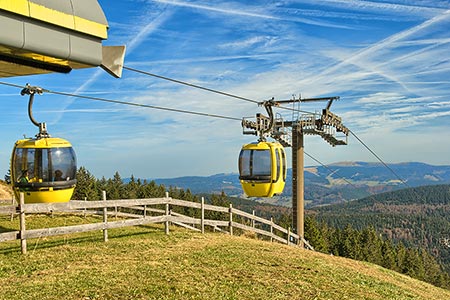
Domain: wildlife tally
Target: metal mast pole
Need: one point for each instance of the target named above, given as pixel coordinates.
(298, 183)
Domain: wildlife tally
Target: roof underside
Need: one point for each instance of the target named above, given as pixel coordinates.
(43, 36)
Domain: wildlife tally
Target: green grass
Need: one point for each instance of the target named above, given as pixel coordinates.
(143, 263)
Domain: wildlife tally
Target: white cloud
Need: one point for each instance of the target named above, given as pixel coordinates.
(250, 12)
(361, 57)
(249, 42)
(380, 7)
(381, 98)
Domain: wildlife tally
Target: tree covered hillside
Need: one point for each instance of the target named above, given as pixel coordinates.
(417, 217)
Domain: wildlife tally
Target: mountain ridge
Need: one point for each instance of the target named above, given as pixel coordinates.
(348, 180)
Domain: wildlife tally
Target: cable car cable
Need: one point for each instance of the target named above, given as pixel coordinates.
(379, 159)
(329, 169)
(132, 104)
(196, 113)
(206, 89)
(191, 85)
(418, 195)
(12, 85)
(146, 106)
(371, 195)
(190, 112)
(207, 115)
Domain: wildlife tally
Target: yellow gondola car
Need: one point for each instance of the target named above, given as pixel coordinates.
(44, 169)
(262, 169)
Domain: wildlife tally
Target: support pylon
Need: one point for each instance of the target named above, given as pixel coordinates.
(298, 183)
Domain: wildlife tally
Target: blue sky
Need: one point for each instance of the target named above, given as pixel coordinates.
(388, 61)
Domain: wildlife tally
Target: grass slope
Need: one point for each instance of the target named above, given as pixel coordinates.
(143, 263)
(5, 190)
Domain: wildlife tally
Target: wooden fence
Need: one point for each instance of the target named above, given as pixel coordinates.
(141, 212)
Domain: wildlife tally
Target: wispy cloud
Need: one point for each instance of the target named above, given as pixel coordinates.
(147, 29)
(360, 57)
(133, 42)
(249, 42)
(416, 8)
(245, 12)
(204, 59)
(228, 11)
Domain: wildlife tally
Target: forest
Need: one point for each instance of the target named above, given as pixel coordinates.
(417, 217)
(332, 230)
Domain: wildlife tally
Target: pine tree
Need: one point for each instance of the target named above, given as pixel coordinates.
(102, 185)
(314, 235)
(388, 255)
(130, 190)
(86, 186)
(400, 257)
(114, 187)
(413, 265)
(350, 246)
(8, 177)
(371, 246)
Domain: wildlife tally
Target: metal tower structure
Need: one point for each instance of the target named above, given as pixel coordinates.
(291, 134)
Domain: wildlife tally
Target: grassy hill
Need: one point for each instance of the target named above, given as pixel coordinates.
(5, 190)
(143, 263)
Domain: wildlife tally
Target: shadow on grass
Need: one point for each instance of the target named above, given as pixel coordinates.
(86, 237)
(6, 229)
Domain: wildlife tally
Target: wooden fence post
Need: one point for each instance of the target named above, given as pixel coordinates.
(166, 225)
(202, 221)
(231, 219)
(23, 241)
(289, 235)
(145, 211)
(105, 218)
(271, 229)
(253, 220)
(85, 209)
(13, 203)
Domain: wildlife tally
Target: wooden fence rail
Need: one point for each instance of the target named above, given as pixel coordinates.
(144, 214)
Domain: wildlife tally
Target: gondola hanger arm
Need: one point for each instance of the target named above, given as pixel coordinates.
(31, 91)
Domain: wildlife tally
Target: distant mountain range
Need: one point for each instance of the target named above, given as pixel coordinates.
(335, 183)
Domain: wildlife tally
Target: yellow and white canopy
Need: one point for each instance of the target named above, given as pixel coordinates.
(42, 36)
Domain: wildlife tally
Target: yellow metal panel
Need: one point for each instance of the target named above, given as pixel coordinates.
(51, 16)
(91, 27)
(46, 59)
(43, 143)
(253, 189)
(69, 21)
(15, 6)
(46, 196)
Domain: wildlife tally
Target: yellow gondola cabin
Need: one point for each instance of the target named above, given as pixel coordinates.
(44, 169)
(262, 169)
